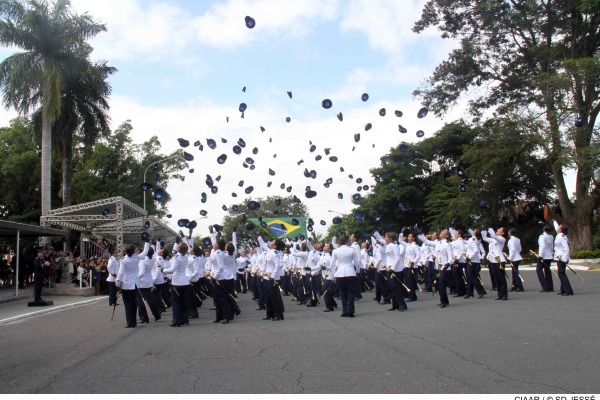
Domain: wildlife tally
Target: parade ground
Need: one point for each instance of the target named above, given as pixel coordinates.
(533, 343)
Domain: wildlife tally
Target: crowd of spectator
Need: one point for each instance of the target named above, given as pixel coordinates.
(88, 269)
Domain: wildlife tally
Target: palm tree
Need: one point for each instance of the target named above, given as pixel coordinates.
(84, 112)
(51, 37)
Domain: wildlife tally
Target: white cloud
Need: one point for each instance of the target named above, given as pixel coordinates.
(134, 27)
(386, 23)
(223, 24)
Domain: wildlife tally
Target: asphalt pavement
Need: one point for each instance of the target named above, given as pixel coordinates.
(532, 343)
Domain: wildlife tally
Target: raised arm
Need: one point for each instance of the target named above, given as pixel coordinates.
(262, 244)
(334, 242)
(380, 239)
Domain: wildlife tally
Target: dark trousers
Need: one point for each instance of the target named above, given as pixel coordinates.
(442, 285)
(544, 274)
(163, 291)
(240, 283)
(473, 280)
(315, 283)
(328, 295)
(565, 285)
(493, 278)
(498, 270)
(429, 275)
(262, 294)
(397, 292)
(382, 290)
(225, 302)
(274, 301)
(253, 286)
(38, 283)
(459, 280)
(306, 284)
(191, 311)
(178, 303)
(112, 293)
(130, 304)
(156, 293)
(410, 279)
(143, 298)
(347, 286)
(516, 279)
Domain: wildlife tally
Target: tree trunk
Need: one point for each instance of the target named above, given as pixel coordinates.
(46, 182)
(67, 179)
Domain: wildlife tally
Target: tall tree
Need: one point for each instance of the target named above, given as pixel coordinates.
(535, 58)
(115, 167)
(50, 36)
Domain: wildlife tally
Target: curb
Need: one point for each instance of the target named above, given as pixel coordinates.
(47, 310)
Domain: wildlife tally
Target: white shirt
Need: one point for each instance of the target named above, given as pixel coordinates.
(475, 250)
(561, 248)
(496, 246)
(413, 254)
(545, 244)
(128, 270)
(347, 261)
(113, 268)
(177, 268)
(514, 249)
(392, 251)
(145, 267)
(459, 248)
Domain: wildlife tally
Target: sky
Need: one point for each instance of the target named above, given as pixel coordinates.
(182, 66)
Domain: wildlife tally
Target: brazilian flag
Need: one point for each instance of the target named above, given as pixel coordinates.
(280, 228)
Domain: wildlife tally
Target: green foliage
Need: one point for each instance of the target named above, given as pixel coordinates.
(116, 167)
(585, 254)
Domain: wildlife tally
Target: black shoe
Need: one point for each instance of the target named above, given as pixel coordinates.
(260, 308)
(212, 308)
(505, 298)
(392, 309)
(266, 318)
(351, 315)
(499, 298)
(238, 311)
(328, 310)
(443, 306)
(550, 290)
(377, 300)
(567, 294)
(276, 319)
(481, 296)
(145, 321)
(456, 295)
(311, 305)
(344, 315)
(301, 303)
(385, 302)
(216, 321)
(513, 289)
(156, 319)
(194, 317)
(225, 321)
(175, 325)
(520, 290)
(402, 309)
(130, 326)
(467, 296)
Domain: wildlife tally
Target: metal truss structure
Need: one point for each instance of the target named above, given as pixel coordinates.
(123, 222)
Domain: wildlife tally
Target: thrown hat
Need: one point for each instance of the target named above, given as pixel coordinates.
(250, 24)
(183, 142)
(422, 112)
